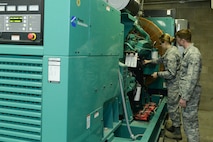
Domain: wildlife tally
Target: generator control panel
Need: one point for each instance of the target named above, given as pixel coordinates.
(21, 22)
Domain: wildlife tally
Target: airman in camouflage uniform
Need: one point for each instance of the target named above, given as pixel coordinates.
(171, 61)
(189, 88)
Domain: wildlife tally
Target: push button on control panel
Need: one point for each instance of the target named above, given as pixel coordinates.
(31, 36)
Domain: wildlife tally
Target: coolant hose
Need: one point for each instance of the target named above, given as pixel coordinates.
(124, 106)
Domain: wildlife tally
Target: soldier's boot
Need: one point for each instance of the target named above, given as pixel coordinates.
(170, 129)
(173, 133)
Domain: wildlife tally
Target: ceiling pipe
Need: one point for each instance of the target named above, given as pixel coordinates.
(140, 12)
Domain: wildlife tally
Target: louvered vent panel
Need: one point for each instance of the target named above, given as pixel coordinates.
(20, 98)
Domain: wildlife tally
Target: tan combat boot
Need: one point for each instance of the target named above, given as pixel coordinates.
(173, 133)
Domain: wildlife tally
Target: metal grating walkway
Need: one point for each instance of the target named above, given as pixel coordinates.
(20, 98)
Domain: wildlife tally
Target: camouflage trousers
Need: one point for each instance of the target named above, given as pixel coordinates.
(190, 116)
(173, 105)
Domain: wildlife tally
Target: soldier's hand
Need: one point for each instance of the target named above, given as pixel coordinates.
(146, 62)
(155, 75)
(182, 103)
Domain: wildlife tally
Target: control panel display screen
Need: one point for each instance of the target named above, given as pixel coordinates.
(15, 19)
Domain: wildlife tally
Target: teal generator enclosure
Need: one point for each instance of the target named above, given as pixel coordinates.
(63, 76)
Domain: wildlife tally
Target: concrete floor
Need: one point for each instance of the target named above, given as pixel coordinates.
(206, 128)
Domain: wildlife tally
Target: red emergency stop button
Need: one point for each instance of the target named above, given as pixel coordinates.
(31, 36)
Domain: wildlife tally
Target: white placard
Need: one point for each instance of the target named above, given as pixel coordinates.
(34, 8)
(22, 8)
(168, 12)
(15, 37)
(54, 69)
(11, 8)
(154, 54)
(131, 59)
(2, 8)
(138, 94)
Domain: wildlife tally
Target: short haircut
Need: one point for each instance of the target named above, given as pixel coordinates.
(184, 34)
